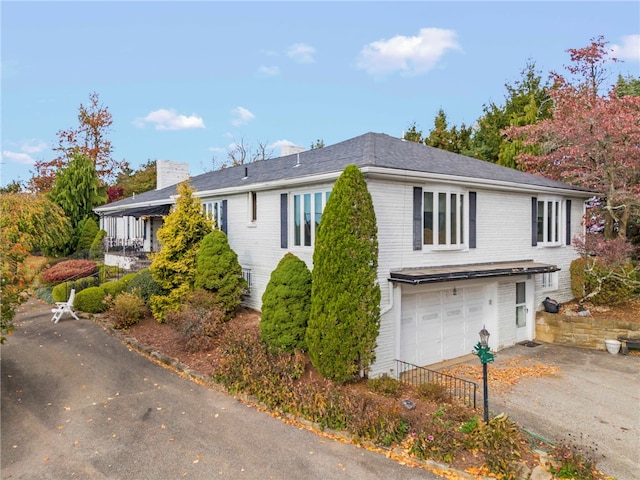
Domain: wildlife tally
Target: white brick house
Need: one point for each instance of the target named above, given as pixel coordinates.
(462, 243)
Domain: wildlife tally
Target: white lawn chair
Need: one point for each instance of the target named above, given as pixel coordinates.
(62, 307)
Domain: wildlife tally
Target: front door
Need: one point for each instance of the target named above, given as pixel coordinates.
(521, 312)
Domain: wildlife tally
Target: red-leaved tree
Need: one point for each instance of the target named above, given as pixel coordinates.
(592, 140)
(89, 138)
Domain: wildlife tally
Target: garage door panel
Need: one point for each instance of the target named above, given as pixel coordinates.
(438, 325)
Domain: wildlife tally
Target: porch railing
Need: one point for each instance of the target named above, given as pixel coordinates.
(455, 387)
(124, 246)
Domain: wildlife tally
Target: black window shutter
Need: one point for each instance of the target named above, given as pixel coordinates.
(223, 217)
(534, 221)
(568, 222)
(284, 206)
(472, 219)
(417, 218)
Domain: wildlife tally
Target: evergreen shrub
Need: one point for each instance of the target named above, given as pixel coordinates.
(285, 305)
(96, 250)
(145, 284)
(114, 287)
(88, 229)
(61, 292)
(345, 297)
(91, 300)
(218, 271)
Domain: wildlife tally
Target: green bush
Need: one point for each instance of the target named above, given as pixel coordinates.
(114, 288)
(107, 272)
(218, 271)
(144, 283)
(61, 292)
(285, 305)
(127, 310)
(88, 230)
(127, 278)
(91, 300)
(500, 440)
(161, 304)
(198, 320)
(96, 250)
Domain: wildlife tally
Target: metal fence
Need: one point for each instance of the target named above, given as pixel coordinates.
(455, 387)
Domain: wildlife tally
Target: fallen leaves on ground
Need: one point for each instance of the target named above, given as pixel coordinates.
(505, 374)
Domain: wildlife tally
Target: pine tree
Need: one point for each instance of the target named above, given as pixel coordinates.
(218, 271)
(174, 266)
(285, 305)
(345, 297)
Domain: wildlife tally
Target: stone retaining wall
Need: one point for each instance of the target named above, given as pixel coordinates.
(585, 332)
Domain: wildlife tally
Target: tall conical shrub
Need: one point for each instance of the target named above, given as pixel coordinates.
(345, 297)
(286, 303)
(218, 271)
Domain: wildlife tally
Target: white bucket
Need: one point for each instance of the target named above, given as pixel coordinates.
(613, 346)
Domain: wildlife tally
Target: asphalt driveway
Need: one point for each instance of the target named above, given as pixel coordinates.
(593, 401)
(77, 403)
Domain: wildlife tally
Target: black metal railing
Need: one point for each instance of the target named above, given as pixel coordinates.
(124, 246)
(455, 387)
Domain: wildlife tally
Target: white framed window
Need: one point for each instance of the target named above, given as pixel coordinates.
(253, 207)
(549, 221)
(443, 218)
(213, 211)
(246, 274)
(549, 281)
(307, 213)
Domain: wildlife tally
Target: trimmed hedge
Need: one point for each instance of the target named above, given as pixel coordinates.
(91, 300)
(60, 292)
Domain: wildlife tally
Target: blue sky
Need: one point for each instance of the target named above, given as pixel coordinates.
(185, 80)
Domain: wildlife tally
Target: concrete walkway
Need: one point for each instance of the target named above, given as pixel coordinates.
(78, 404)
(593, 401)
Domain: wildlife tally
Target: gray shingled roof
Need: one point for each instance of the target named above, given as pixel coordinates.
(368, 150)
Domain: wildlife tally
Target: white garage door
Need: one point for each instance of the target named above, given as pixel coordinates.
(438, 325)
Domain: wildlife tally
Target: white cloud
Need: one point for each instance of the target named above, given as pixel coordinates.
(169, 120)
(27, 149)
(409, 55)
(241, 116)
(18, 157)
(30, 147)
(301, 53)
(629, 49)
(269, 71)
